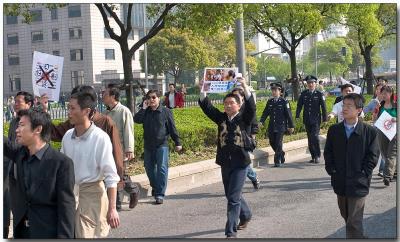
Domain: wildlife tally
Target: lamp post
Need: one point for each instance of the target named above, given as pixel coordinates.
(145, 48)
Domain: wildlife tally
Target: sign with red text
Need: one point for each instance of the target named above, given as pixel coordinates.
(386, 125)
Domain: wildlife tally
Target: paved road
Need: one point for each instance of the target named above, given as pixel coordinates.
(295, 201)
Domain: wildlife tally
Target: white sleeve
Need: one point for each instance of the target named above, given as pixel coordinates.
(105, 159)
(335, 110)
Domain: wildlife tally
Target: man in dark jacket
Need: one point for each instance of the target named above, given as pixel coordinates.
(314, 109)
(233, 152)
(158, 124)
(351, 153)
(41, 181)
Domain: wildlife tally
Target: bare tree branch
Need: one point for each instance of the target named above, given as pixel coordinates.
(107, 24)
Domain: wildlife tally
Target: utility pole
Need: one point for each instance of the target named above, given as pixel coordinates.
(145, 48)
(240, 51)
(316, 56)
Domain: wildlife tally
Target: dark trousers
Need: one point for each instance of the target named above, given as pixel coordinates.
(275, 140)
(233, 180)
(129, 186)
(21, 232)
(313, 139)
(6, 213)
(352, 210)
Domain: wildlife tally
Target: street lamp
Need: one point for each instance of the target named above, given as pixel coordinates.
(145, 48)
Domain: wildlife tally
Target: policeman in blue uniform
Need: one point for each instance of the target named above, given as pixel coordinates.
(280, 121)
(314, 109)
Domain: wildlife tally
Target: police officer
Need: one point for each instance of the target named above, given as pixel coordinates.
(314, 102)
(280, 121)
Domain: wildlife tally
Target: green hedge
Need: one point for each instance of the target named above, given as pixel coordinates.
(197, 131)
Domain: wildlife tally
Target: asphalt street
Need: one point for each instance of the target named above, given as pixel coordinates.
(295, 201)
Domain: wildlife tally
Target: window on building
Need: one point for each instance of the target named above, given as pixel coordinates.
(77, 78)
(54, 14)
(74, 11)
(141, 33)
(12, 19)
(75, 33)
(15, 82)
(36, 15)
(110, 54)
(55, 34)
(132, 35)
(12, 39)
(13, 59)
(56, 52)
(37, 36)
(76, 54)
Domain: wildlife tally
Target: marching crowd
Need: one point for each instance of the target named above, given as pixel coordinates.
(76, 192)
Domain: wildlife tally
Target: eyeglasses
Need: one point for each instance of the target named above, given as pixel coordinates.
(151, 97)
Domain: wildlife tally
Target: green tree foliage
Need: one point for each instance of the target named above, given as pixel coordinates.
(369, 24)
(274, 66)
(330, 58)
(288, 24)
(174, 50)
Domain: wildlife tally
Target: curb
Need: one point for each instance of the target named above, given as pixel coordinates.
(188, 176)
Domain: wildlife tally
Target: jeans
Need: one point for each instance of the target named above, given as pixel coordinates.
(251, 174)
(233, 180)
(156, 166)
(381, 165)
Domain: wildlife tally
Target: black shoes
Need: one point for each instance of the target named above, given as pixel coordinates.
(380, 174)
(134, 198)
(256, 184)
(231, 236)
(386, 181)
(159, 201)
(243, 224)
(278, 165)
(314, 160)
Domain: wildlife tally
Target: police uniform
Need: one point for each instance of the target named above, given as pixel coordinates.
(280, 120)
(314, 103)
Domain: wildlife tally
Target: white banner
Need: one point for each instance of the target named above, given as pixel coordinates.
(385, 124)
(219, 80)
(357, 89)
(46, 75)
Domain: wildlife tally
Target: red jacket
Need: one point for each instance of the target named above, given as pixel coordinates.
(179, 102)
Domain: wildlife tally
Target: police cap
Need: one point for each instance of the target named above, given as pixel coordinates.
(311, 78)
(276, 85)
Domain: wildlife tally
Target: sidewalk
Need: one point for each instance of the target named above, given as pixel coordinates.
(185, 177)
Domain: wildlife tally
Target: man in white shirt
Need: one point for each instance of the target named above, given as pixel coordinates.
(90, 149)
(337, 109)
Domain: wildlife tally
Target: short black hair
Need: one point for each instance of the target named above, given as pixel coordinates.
(85, 100)
(85, 89)
(171, 84)
(114, 90)
(344, 86)
(151, 92)
(236, 97)
(38, 118)
(357, 98)
(28, 97)
(238, 89)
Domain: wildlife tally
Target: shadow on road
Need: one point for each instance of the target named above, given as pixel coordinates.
(376, 226)
(194, 196)
(193, 234)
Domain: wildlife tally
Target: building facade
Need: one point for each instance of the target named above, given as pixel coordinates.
(75, 32)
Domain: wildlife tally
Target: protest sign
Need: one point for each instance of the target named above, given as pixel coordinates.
(46, 75)
(385, 124)
(219, 80)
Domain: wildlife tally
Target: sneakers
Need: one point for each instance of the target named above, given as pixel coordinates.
(256, 184)
(380, 174)
(159, 201)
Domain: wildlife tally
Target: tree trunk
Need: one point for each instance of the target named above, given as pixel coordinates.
(128, 77)
(293, 66)
(368, 69)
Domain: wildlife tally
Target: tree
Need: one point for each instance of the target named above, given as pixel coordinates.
(23, 9)
(369, 24)
(175, 50)
(288, 24)
(272, 66)
(330, 57)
